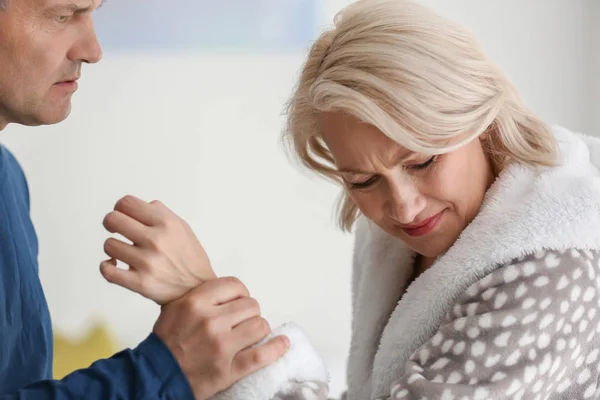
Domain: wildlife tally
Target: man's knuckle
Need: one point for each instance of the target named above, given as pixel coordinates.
(231, 280)
(258, 329)
(252, 305)
(211, 328)
(259, 357)
(236, 284)
(243, 364)
(263, 326)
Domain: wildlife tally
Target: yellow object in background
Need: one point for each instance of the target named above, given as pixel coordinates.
(72, 355)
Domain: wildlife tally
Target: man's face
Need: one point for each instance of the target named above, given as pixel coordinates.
(42, 46)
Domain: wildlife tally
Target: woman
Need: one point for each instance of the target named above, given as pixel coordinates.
(476, 269)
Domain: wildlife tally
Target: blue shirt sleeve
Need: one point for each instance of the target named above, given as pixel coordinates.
(26, 344)
(148, 372)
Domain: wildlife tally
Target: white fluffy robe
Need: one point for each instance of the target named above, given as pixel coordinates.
(524, 211)
(301, 363)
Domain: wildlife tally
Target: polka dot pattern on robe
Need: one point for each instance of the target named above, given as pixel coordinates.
(527, 331)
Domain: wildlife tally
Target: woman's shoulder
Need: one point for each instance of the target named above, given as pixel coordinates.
(577, 149)
(528, 210)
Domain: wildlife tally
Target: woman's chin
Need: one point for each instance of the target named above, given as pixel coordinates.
(429, 247)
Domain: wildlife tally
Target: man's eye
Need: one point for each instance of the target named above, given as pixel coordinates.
(61, 18)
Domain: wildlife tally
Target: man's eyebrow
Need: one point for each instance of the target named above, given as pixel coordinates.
(74, 8)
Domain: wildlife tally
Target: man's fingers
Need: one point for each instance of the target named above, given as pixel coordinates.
(139, 210)
(128, 279)
(221, 290)
(123, 224)
(250, 332)
(251, 360)
(237, 311)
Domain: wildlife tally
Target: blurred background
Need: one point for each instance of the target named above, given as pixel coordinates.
(186, 107)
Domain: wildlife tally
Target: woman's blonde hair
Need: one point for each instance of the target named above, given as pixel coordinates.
(421, 79)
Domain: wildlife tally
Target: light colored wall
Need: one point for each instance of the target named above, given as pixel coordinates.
(593, 71)
(201, 133)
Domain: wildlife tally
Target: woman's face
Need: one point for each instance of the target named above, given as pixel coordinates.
(424, 201)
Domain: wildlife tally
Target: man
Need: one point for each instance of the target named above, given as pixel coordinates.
(201, 343)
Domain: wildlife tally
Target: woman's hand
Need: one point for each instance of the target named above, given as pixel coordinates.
(210, 325)
(165, 259)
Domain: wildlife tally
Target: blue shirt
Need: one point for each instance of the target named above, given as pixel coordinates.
(147, 372)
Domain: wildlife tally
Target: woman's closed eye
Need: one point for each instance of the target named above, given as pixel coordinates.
(422, 166)
(368, 182)
(363, 184)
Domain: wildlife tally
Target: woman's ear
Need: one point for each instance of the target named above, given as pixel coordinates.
(486, 135)
(491, 145)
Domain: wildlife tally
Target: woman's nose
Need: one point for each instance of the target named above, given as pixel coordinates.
(406, 202)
